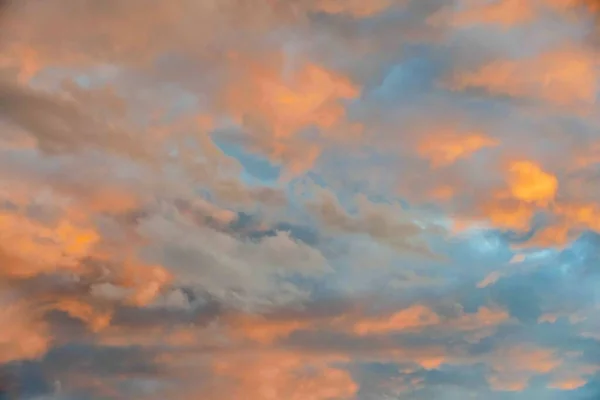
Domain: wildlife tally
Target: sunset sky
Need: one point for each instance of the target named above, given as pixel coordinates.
(300, 199)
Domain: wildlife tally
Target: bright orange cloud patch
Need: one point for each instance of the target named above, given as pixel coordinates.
(529, 183)
(41, 247)
(276, 104)
(288, 101)
(508, 213)
(528, 189)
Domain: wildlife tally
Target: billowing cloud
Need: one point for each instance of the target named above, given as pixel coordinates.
(315, 199)
(277, 101)
(531, 184)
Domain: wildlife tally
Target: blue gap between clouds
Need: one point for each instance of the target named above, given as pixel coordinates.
(258, 170)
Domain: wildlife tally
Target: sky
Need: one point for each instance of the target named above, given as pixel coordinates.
(300, 199)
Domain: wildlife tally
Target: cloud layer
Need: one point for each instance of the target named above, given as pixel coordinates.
(308, 200)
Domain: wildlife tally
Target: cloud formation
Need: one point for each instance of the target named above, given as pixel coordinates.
(311, 200)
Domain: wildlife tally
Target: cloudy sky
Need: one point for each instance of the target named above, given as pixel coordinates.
(299, 199)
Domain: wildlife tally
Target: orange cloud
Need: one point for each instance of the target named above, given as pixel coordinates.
(483, 318)
(445, 148)
(140, 284)
(418, 317)
(282, 375)
(23, 335)
(114, 200)
(508, 213)
(571, 218)
(528, 187)
(573, 376)
(442, 192)
(562, 5)
(101, 226)
(42, 248)
(580, 214)
(513, 367)
(23, 60)
(176, 336)
(356, 8)
(550, 236)
(564, 77)
(137, 40)
(95, 319)
(276, 104)
(508, 383)
(507, 13)
(529, 183)
(309, 95)
(535, 360)
(501, 12)
(263, 330)
(414, 317)
(568, 384)
(426, 357)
